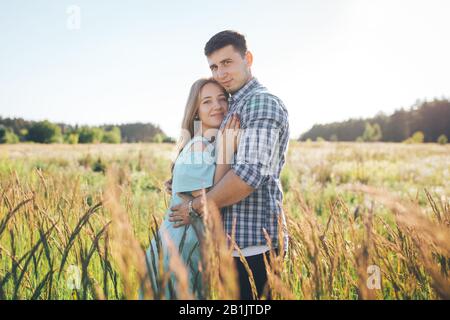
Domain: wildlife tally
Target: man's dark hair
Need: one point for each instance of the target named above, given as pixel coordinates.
(225, 38)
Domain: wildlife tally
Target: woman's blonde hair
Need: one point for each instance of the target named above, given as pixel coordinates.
(191, 113)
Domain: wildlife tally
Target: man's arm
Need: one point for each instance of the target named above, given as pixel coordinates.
(230, 190)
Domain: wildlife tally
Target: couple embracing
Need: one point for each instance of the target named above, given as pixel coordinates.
(241, 177)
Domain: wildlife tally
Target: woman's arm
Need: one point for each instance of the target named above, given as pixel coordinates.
(223, 164)
(224, 158)
(226, 150)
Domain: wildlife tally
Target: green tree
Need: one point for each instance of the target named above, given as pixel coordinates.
(112, 136)
(135, 132)
(2, 134)
(71, 138)
(334, 137)
(372, 132)
(44, 132)
(7, 135)
(417, 137)
(168, 139)
(23, 133)
(430, 117)
(90, 135)
(377, 132)
(442, 139)
(158, 138)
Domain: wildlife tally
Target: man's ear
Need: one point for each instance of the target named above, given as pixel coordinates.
(249, 58)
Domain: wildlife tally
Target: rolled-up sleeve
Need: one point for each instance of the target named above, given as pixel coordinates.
(259, 147)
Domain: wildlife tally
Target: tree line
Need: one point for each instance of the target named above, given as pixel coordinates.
(14, 130)
(426, 121)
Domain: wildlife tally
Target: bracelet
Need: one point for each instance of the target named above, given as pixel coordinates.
(192, 212)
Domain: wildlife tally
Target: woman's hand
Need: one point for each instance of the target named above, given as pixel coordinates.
(229, 137)
(180, 214)
(232, 128)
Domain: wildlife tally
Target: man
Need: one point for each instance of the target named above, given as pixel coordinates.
(251, 191)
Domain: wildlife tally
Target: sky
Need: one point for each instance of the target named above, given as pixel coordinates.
(112, 62)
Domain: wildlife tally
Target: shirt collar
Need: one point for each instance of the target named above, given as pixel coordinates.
(246, 89)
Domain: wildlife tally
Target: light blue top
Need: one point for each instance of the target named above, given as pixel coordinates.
(193, 170)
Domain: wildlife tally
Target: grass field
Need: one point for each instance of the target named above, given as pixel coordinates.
(366, 221)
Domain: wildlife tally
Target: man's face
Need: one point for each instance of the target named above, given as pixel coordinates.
(229, 68)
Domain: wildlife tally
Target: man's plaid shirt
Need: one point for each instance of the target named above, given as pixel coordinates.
(259, 160)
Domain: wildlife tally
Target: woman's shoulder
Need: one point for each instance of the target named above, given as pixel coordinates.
(194, 169)
(198, 144)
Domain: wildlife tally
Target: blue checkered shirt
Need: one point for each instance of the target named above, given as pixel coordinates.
(258, 162)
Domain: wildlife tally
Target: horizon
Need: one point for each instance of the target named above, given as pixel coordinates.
(418, 103)
(120, 63)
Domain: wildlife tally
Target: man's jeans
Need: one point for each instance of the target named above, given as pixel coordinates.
(256, 264)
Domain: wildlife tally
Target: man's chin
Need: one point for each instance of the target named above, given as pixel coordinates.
(230, 90)
(233, 89)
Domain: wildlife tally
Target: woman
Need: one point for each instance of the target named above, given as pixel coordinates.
(194, 169)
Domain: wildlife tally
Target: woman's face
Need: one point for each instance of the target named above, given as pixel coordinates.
(213, 106)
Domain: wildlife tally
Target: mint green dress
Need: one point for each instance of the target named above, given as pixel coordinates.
(193, 170)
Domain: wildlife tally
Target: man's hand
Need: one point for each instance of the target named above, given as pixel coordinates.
(180, 212)
(203, 203)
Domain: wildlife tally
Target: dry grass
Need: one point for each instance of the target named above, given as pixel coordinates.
(350, 208)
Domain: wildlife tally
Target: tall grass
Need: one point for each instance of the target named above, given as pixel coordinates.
(68, 231)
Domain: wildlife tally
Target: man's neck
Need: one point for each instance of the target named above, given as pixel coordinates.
(250, 78)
